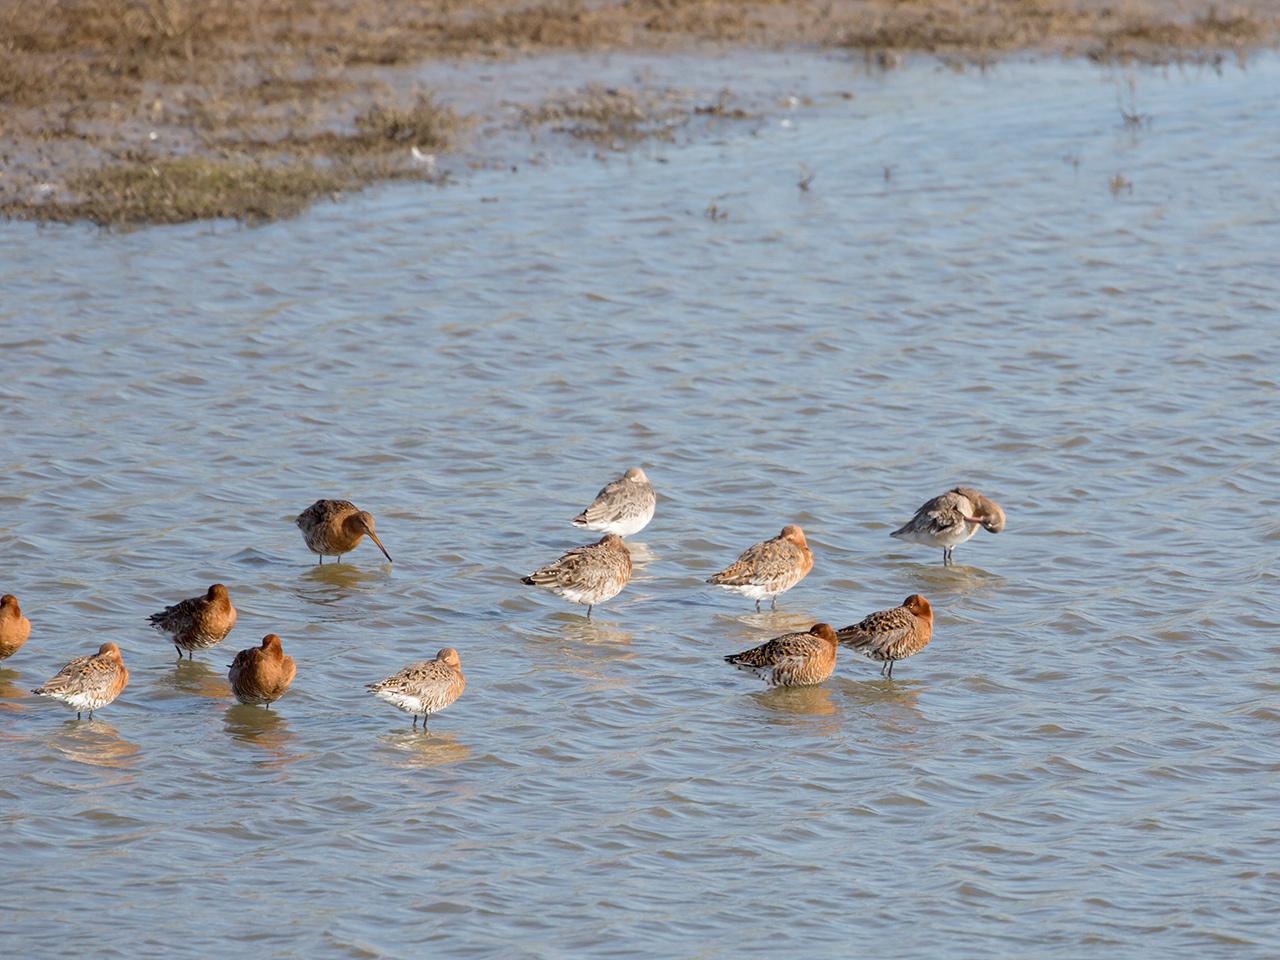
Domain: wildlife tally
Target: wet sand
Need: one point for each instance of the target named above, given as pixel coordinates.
(124, 113)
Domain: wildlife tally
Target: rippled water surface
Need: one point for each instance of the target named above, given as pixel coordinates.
(1084, 761)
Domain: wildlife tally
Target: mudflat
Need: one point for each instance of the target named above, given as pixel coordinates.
(161, 111)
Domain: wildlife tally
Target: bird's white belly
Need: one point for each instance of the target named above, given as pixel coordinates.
(403, 701)
(754, 591)
(81, 701)
(625, 526)
(585, 595)
(947, 537)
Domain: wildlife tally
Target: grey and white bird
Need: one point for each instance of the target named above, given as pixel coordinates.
(590, 574)
(950, 519)
(624, 506)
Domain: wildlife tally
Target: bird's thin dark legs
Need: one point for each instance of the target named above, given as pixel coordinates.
(757, 606)
(589, 606)
(179, 649)
(890, 674)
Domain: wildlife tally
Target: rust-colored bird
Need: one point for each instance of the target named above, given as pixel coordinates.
(792, 660)
(261, 675)
(88, 683)
(590, 574)
(197, 623)
(334, 527)
(425, 687)
(950, 519)
(14, 627)
(891, 635)
(769, 568)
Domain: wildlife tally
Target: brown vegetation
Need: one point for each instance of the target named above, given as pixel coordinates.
(125, 111)
(617, 117)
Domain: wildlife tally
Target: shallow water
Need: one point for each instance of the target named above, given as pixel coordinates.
(1082, 763)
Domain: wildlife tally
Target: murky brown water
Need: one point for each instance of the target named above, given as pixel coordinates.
(1084, 761)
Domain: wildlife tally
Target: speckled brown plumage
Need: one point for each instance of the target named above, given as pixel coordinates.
(334, 527)
(88, 683)
(197, 623)
(768, 569)
(425, 687)
(589, 575)
(792, 660)
(260, 675)
(14, 627)
(625, 506)
(890, 635)
(950, 519)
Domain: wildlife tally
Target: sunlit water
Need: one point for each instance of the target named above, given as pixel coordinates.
(1083, 763)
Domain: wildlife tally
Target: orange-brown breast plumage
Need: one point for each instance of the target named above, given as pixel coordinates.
(261, 675)
(14, 627)
(197, 622)
(890, 635)
(334, 527)
(792, 660)
(87, 683)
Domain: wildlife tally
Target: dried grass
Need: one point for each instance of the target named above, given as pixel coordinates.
(284, 85)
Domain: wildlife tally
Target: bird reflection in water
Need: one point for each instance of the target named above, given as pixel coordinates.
(574, 630)
(583, 647)
(11, 691)
(198, 679)
(590, 646)
(266, 731)
(956, 580)
(814, 701)
(641, 555)
(773, 622)
(888, 701)
(93, 742)
(424, 748)
(331, 583)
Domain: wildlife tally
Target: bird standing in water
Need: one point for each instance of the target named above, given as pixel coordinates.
(769, 568)
(792, 660)
(891, 635)
(87, 683)
(334, 527)
(14, 627)
(624, 506)
(425, 687)
(261, 675)
(197, 623)
(950, 519)
(590, 574)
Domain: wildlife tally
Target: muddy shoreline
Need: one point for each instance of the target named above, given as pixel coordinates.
(126, 112)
